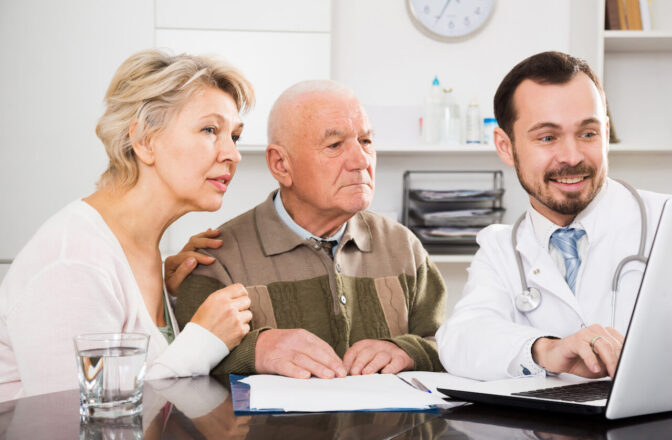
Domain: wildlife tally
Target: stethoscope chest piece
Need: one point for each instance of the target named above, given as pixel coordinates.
(528, 300)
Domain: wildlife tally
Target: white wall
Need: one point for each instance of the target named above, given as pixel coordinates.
(380, 54)
(390, 65)
(57, 61)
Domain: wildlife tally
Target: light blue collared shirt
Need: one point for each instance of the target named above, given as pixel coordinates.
(289, 221)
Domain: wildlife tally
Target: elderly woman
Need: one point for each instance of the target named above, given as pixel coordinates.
(170, 130)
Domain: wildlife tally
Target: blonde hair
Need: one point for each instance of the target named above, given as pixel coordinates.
(145, 93)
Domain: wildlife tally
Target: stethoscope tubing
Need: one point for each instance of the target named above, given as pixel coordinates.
(534, 299)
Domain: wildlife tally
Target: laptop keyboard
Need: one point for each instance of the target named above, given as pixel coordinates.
(581, 392)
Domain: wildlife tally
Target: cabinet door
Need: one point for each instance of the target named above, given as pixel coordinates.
(258, 15)
(272, 61)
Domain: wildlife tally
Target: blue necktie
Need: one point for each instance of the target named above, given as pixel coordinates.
(565, 239)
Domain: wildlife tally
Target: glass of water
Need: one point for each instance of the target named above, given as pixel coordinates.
(111, 368)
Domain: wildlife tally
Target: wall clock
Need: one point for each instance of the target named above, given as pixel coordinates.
(449, 20)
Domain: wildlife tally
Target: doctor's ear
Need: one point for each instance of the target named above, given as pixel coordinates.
(143, 148)
(504, 146)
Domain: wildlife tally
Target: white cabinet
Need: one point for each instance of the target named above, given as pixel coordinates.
(272, 61)
(637, 72)
(635, 68)
(636, 78)
(257, 15)
(275, 44)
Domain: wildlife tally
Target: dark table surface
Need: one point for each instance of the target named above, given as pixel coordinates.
(201, 408)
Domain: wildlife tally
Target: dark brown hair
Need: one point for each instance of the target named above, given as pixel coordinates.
(542, 68)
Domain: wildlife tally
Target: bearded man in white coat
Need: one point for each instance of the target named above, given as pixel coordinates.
(580, 225)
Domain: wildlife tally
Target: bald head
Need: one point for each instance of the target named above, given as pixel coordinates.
(321, 153)
(290, 110)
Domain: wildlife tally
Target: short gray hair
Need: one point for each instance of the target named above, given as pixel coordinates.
(148, 89)
(292, 94)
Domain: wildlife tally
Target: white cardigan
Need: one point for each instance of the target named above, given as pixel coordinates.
(72, 278)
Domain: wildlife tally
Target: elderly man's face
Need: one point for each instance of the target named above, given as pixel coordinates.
(332, 156)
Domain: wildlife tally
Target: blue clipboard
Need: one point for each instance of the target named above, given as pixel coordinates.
(240, 395)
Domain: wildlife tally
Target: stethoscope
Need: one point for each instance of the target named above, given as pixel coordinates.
(530, 298)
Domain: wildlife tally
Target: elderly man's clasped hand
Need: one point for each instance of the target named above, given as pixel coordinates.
(300, 354)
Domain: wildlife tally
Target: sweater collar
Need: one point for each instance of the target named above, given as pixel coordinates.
(276, 237)
(301, 232)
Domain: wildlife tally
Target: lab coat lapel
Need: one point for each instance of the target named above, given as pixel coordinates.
(541, 271)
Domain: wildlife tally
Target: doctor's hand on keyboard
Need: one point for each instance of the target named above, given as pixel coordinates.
(591, 352)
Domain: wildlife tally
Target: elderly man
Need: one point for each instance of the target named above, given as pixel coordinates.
(335, 289)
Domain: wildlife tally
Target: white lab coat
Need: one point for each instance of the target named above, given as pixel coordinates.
(486, 332)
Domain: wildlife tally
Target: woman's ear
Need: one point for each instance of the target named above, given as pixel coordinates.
(143, 148)
(504, 146)
(279, 164)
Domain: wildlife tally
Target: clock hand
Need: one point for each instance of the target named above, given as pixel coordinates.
(438, 17)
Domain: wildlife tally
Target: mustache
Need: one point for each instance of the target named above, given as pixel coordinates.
(567, 170)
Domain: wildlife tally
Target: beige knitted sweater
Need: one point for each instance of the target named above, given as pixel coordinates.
(379, 285)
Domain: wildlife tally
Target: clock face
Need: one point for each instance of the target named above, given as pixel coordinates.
(448, 20)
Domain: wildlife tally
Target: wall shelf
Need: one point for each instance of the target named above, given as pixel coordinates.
(258, 149)
(441, 149)
(627, 148)
(403, 149)
(445, 258)
(635, 41)
(470, 149)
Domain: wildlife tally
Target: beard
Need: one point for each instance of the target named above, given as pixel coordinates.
(572, 203)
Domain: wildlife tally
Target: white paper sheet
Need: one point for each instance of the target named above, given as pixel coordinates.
(352, 393)
(438, 380)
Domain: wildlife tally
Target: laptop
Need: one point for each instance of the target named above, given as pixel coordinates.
(642, 382)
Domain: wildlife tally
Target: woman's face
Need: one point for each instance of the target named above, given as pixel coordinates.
(196, 155)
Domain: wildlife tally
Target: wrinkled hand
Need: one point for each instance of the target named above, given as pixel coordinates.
(296, 353)
(574, 354)
(225, 314)
(370, 356)
(178, 267)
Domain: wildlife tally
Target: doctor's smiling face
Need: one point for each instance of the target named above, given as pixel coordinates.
(558, 146)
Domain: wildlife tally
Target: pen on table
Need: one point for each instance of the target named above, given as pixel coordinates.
(407, 382)
(419, 385)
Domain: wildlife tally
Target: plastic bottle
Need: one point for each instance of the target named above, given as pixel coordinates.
(432, 112)
(451, 128)
(489, 125)
(474, 130)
